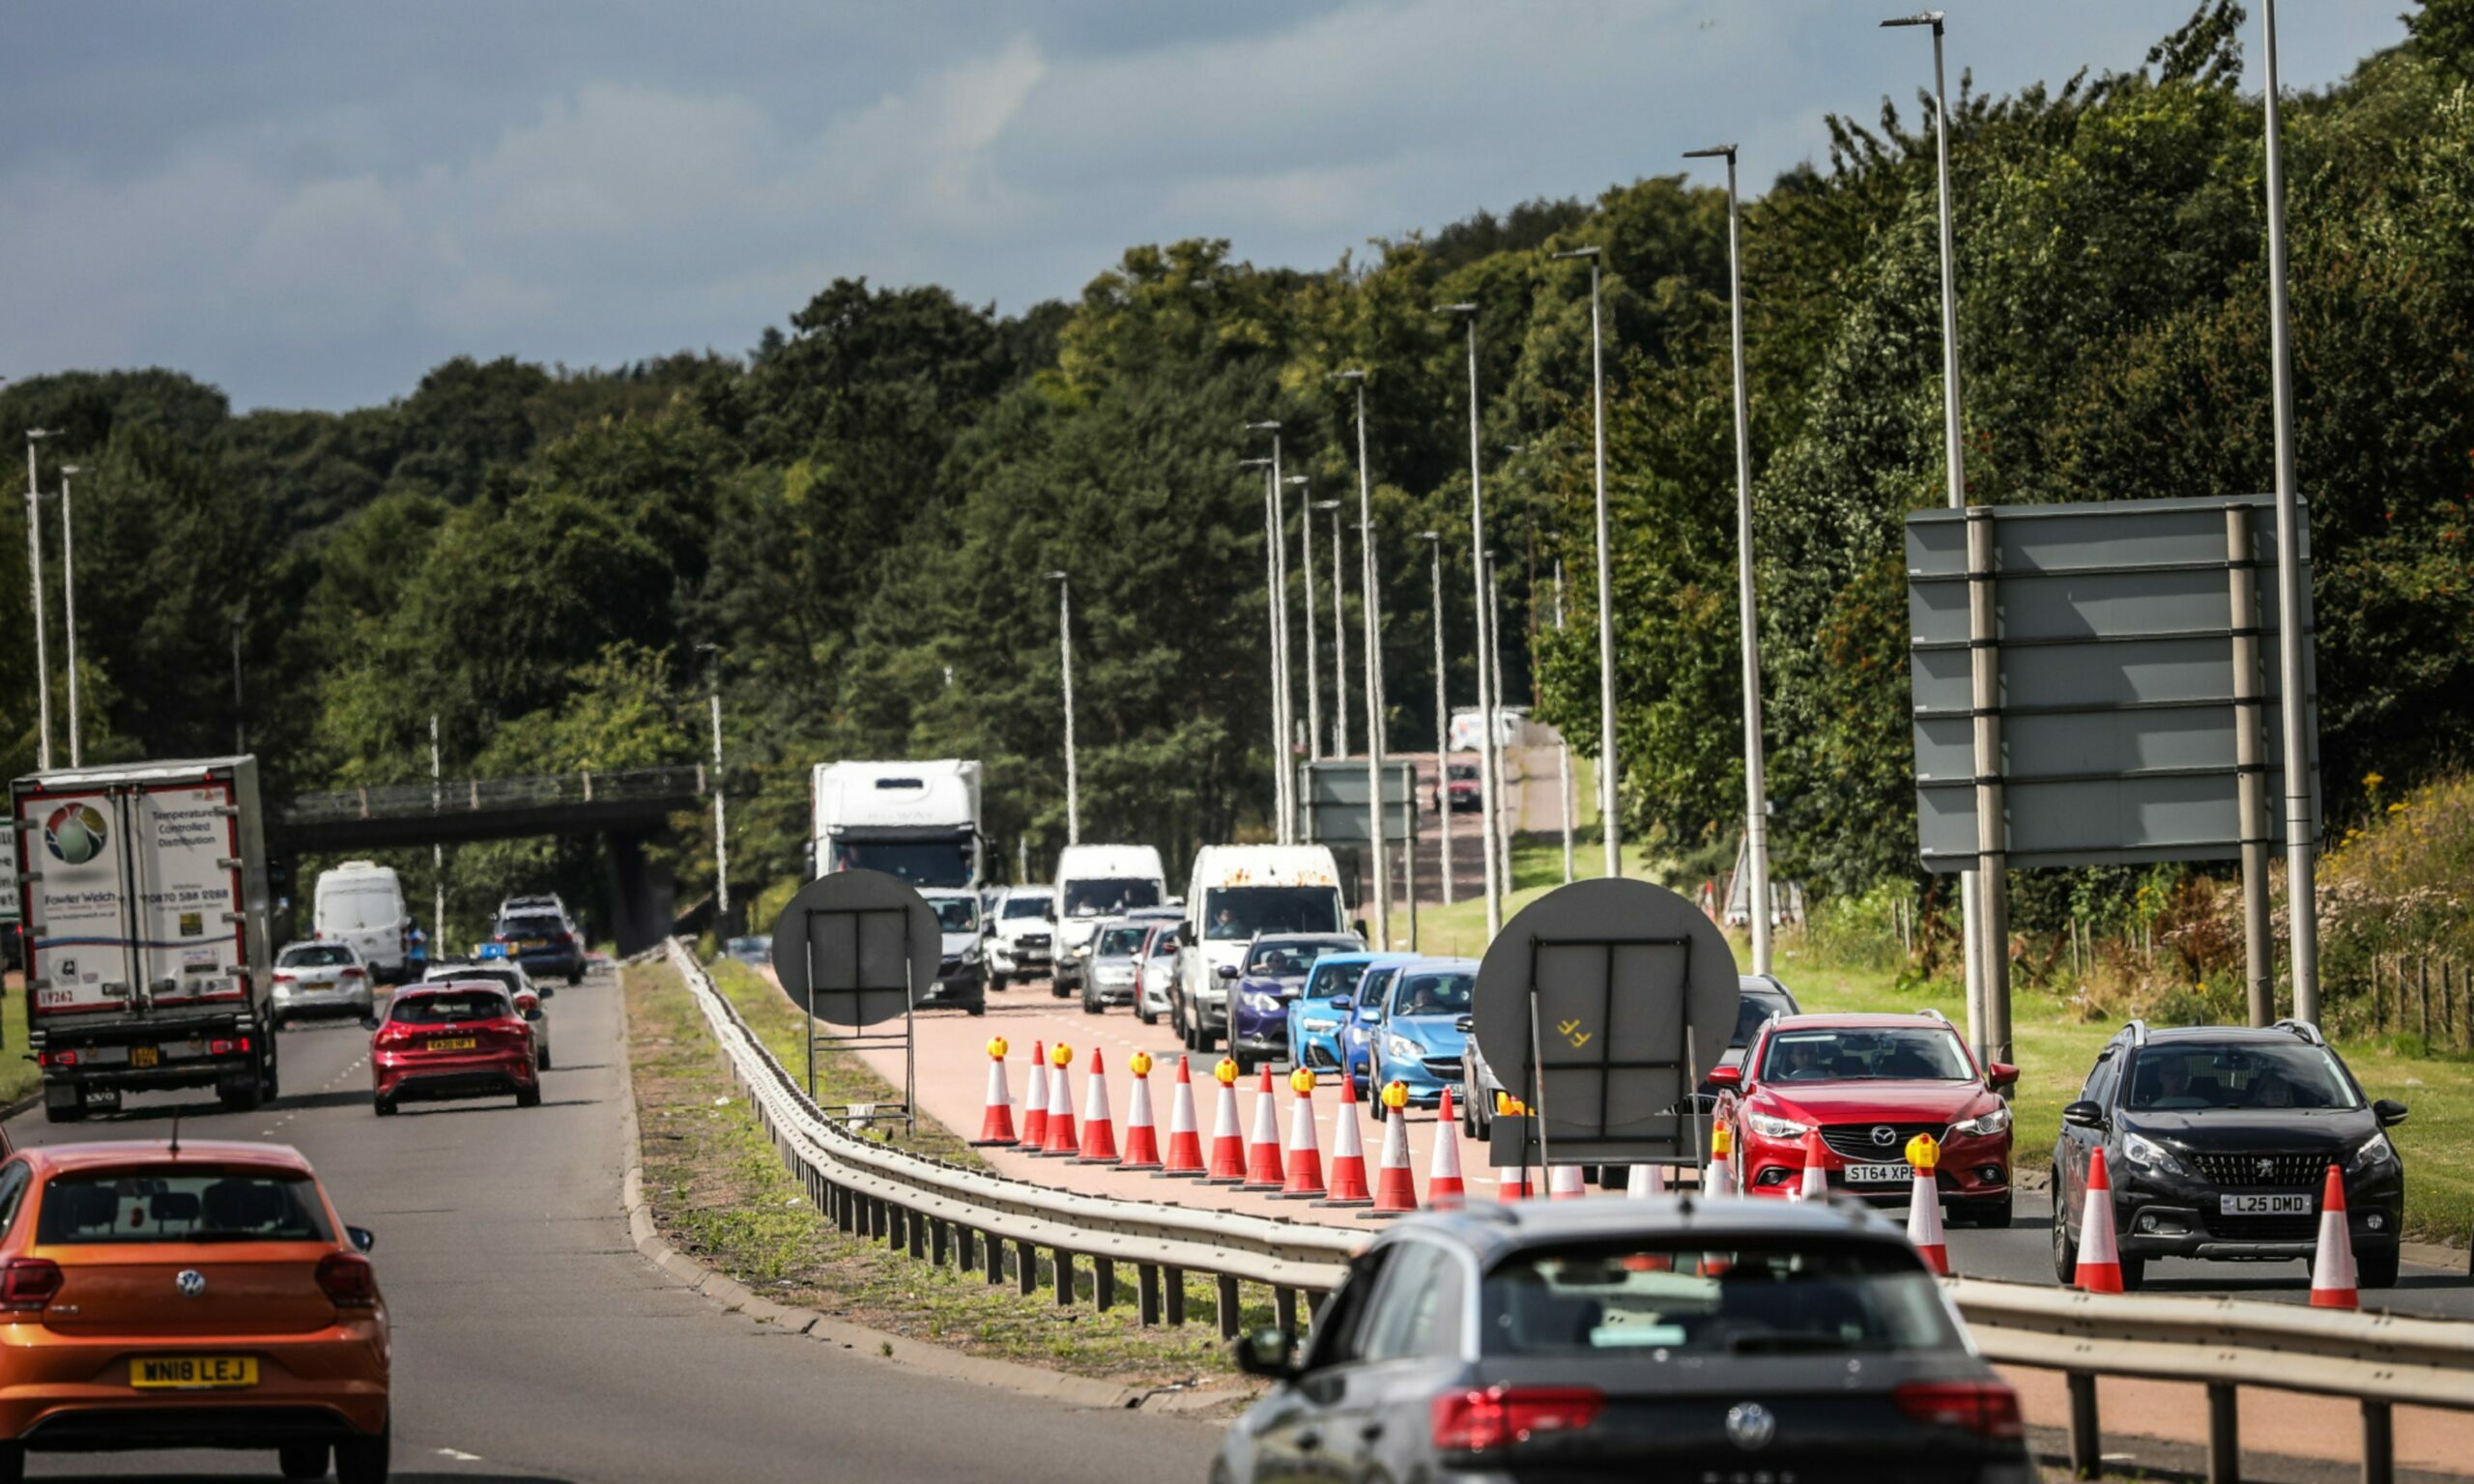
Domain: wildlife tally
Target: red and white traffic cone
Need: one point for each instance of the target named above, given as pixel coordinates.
(1141, 1139)
(1396, 1188)
(1099, 1129)
(2333, 1281)
(1061, 1143)
(2100, 1259)
(1511, 1182)
(1645, 1181)
(1815, 1185)
(1718, 1181)
(1264, 1170)
(1035, 1101)
(1445, 1189)
(1227, 1140)
(1185, 1137)
(997, 1124)
(1304, 1181)
(1564, 1183)
(1924, 1208)
(1348, 1153)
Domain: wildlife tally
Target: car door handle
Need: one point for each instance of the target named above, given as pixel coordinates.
(1309, 1441)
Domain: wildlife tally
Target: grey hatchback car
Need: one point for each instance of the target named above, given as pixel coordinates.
(1629, 1340)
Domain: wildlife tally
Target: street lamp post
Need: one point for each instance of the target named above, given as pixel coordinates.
(239, 729)
(1982, 910)
(1282, 817)
(1499, 843)
(1374, 687)
(1065, 661)
(1340, 639)
(33, 562)
(1442, 717)
(1490, 826)
(1756, 802)
(437, 852)
(1564, 749)
(2301, 897)
(1279, 635)
(721, 822)
(1606, 768)
(68, 595)
(1306, 569)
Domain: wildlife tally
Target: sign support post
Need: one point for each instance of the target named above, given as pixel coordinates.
(2242, 589)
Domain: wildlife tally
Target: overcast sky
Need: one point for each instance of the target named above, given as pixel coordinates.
(310, 203)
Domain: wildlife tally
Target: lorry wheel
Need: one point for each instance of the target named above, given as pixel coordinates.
(979, 1009)
(997, 981)
(270, 1085)
(52, 1115)
(243, 1099)
(1057, 988)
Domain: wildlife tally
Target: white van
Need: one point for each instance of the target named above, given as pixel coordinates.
(1236, 892)
(1094, 882)
(360, 903)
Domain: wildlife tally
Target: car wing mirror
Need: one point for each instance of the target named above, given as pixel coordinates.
(362, 1238)
(2389, 1111)
(2001, 1076)
(1725, 1077)
(369, 1022)
(1265, 1353)
(1228, 971)
(2083, 1113)
(1342, 1003)
(1462, 1024)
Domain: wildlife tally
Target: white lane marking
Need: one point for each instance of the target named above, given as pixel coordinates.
(459, 1455)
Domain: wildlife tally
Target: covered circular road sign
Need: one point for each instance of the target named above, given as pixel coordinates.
(1635, 993)
(854, 947)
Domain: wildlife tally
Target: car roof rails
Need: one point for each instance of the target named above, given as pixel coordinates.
(1933, 1013)
(2137, 1032)
(2308, 1031)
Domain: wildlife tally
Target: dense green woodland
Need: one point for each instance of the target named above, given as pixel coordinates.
(859, 511)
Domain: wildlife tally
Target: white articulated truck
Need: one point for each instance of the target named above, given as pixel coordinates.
(144, 889)
(915, 820)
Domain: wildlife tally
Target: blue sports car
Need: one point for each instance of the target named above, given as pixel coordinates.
(1417, 1039)
(1318, 1016)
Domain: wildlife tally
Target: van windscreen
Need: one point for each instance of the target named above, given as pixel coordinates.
(1239, 912)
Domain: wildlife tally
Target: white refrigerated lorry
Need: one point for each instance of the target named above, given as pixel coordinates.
(144, 891)
(915, 820)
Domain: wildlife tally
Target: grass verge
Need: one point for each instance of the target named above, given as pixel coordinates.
(19, 1077)
(719, 1194)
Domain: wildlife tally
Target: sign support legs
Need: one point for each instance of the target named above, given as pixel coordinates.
(2242, 585)
(1990, 1032)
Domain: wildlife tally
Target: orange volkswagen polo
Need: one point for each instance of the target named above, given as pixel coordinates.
(187, 1295)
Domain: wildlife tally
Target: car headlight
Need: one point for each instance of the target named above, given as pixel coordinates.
(970, 955)
(1994, 1122)
(1319, 1025)
(2375, 1152)
(1769, 1128)
(2140, 1149)
(1403, 1046)
(1261, 1004)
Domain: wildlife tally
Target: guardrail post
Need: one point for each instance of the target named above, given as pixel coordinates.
(1104, 1282)
(2224, 1434)
(1174, 1280)
(915, 1225)
(1285, 1309)
(1227, 1306)
(940, 1236)
(2378, 1444)
(993, 1256)
(2086, 1442)
(1147, 1293)
(1064, 1278)
(1026, 1267)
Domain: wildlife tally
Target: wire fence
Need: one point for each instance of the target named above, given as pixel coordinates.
(473, 795)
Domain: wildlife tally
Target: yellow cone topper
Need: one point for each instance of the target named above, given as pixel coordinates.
(1302, 1079)
(1923, 1153)
(1140, 1064)
(1395, 1096)
(996, 1047)
(1225, 1071)
(1060, 1056)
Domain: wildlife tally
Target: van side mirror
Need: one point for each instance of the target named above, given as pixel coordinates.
(2389, 1111)
(2083, 1113)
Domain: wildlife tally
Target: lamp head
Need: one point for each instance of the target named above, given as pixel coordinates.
(1434, 537)
(1327, 504)
(1576, 252)
(1460, 308)
(1930, 19)
(1253, 463)
(1348, 376)
(66, 469)
(1056, 577)
(1714, 152)
(35, 434)
(1294, 479)
(1262, 427)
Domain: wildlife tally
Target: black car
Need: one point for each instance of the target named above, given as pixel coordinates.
(1630, 1340)
(543, 941)
(2217, 1143)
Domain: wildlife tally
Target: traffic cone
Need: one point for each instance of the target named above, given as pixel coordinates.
(1564, 1183)
(996, 1124)
(1228, 1144)
(1718, 1181)
(1061, 1143)
(1185, 1139)
(1099, 1129)
(1396, 1190)
(1348, 1153)
(1264, 1170)
(2333, 1281)
(1035, 1099)
(1445, 1191)
(1646, 1179)
(1816, 1181)
(1141, 1140)
(2100, 1262)
(1924, 1209)
(1304, 1181)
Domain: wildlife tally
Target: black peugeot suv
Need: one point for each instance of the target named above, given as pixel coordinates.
(2217, 1142)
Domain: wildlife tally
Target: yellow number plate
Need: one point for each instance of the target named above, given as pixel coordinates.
(193, 1373)
(528, 944)
(453, 1044)
(144, 1056)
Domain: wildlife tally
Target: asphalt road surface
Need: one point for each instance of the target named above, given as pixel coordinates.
(532, 1342)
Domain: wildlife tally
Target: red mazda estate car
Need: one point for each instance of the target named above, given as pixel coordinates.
(1870, 1083)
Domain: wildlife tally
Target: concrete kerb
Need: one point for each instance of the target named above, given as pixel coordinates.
(896, 1350)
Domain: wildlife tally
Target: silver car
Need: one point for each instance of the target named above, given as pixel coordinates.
(509, 975)
(1154, 971)
(321, 979)
(1116, 953)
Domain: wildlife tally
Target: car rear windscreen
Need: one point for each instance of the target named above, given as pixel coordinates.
(181, 1204)
(1680, 1294)
(315, 956)
(448, 1005)
(533, 926)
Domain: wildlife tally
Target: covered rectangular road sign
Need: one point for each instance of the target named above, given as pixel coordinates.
(2135, 679)
(1332, 802)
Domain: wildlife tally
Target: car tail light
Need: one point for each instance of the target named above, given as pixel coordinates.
(349, 1280)
(563, 939)
(57, 1059)
(282, 978)
(27, 1284)
(353, 971)
(1986, 1407)
(1500, 1417)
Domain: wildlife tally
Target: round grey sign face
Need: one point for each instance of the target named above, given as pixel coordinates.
(1623, 971)
(855, 947)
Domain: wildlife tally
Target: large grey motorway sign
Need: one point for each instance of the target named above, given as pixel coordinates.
(1332, 802)
(2132, 679)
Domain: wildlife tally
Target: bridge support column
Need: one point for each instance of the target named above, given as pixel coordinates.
(642, 894)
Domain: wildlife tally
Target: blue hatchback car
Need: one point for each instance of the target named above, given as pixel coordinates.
(1318, 1014)
(1416, 1037)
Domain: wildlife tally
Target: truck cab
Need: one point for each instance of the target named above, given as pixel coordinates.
(918, 821)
